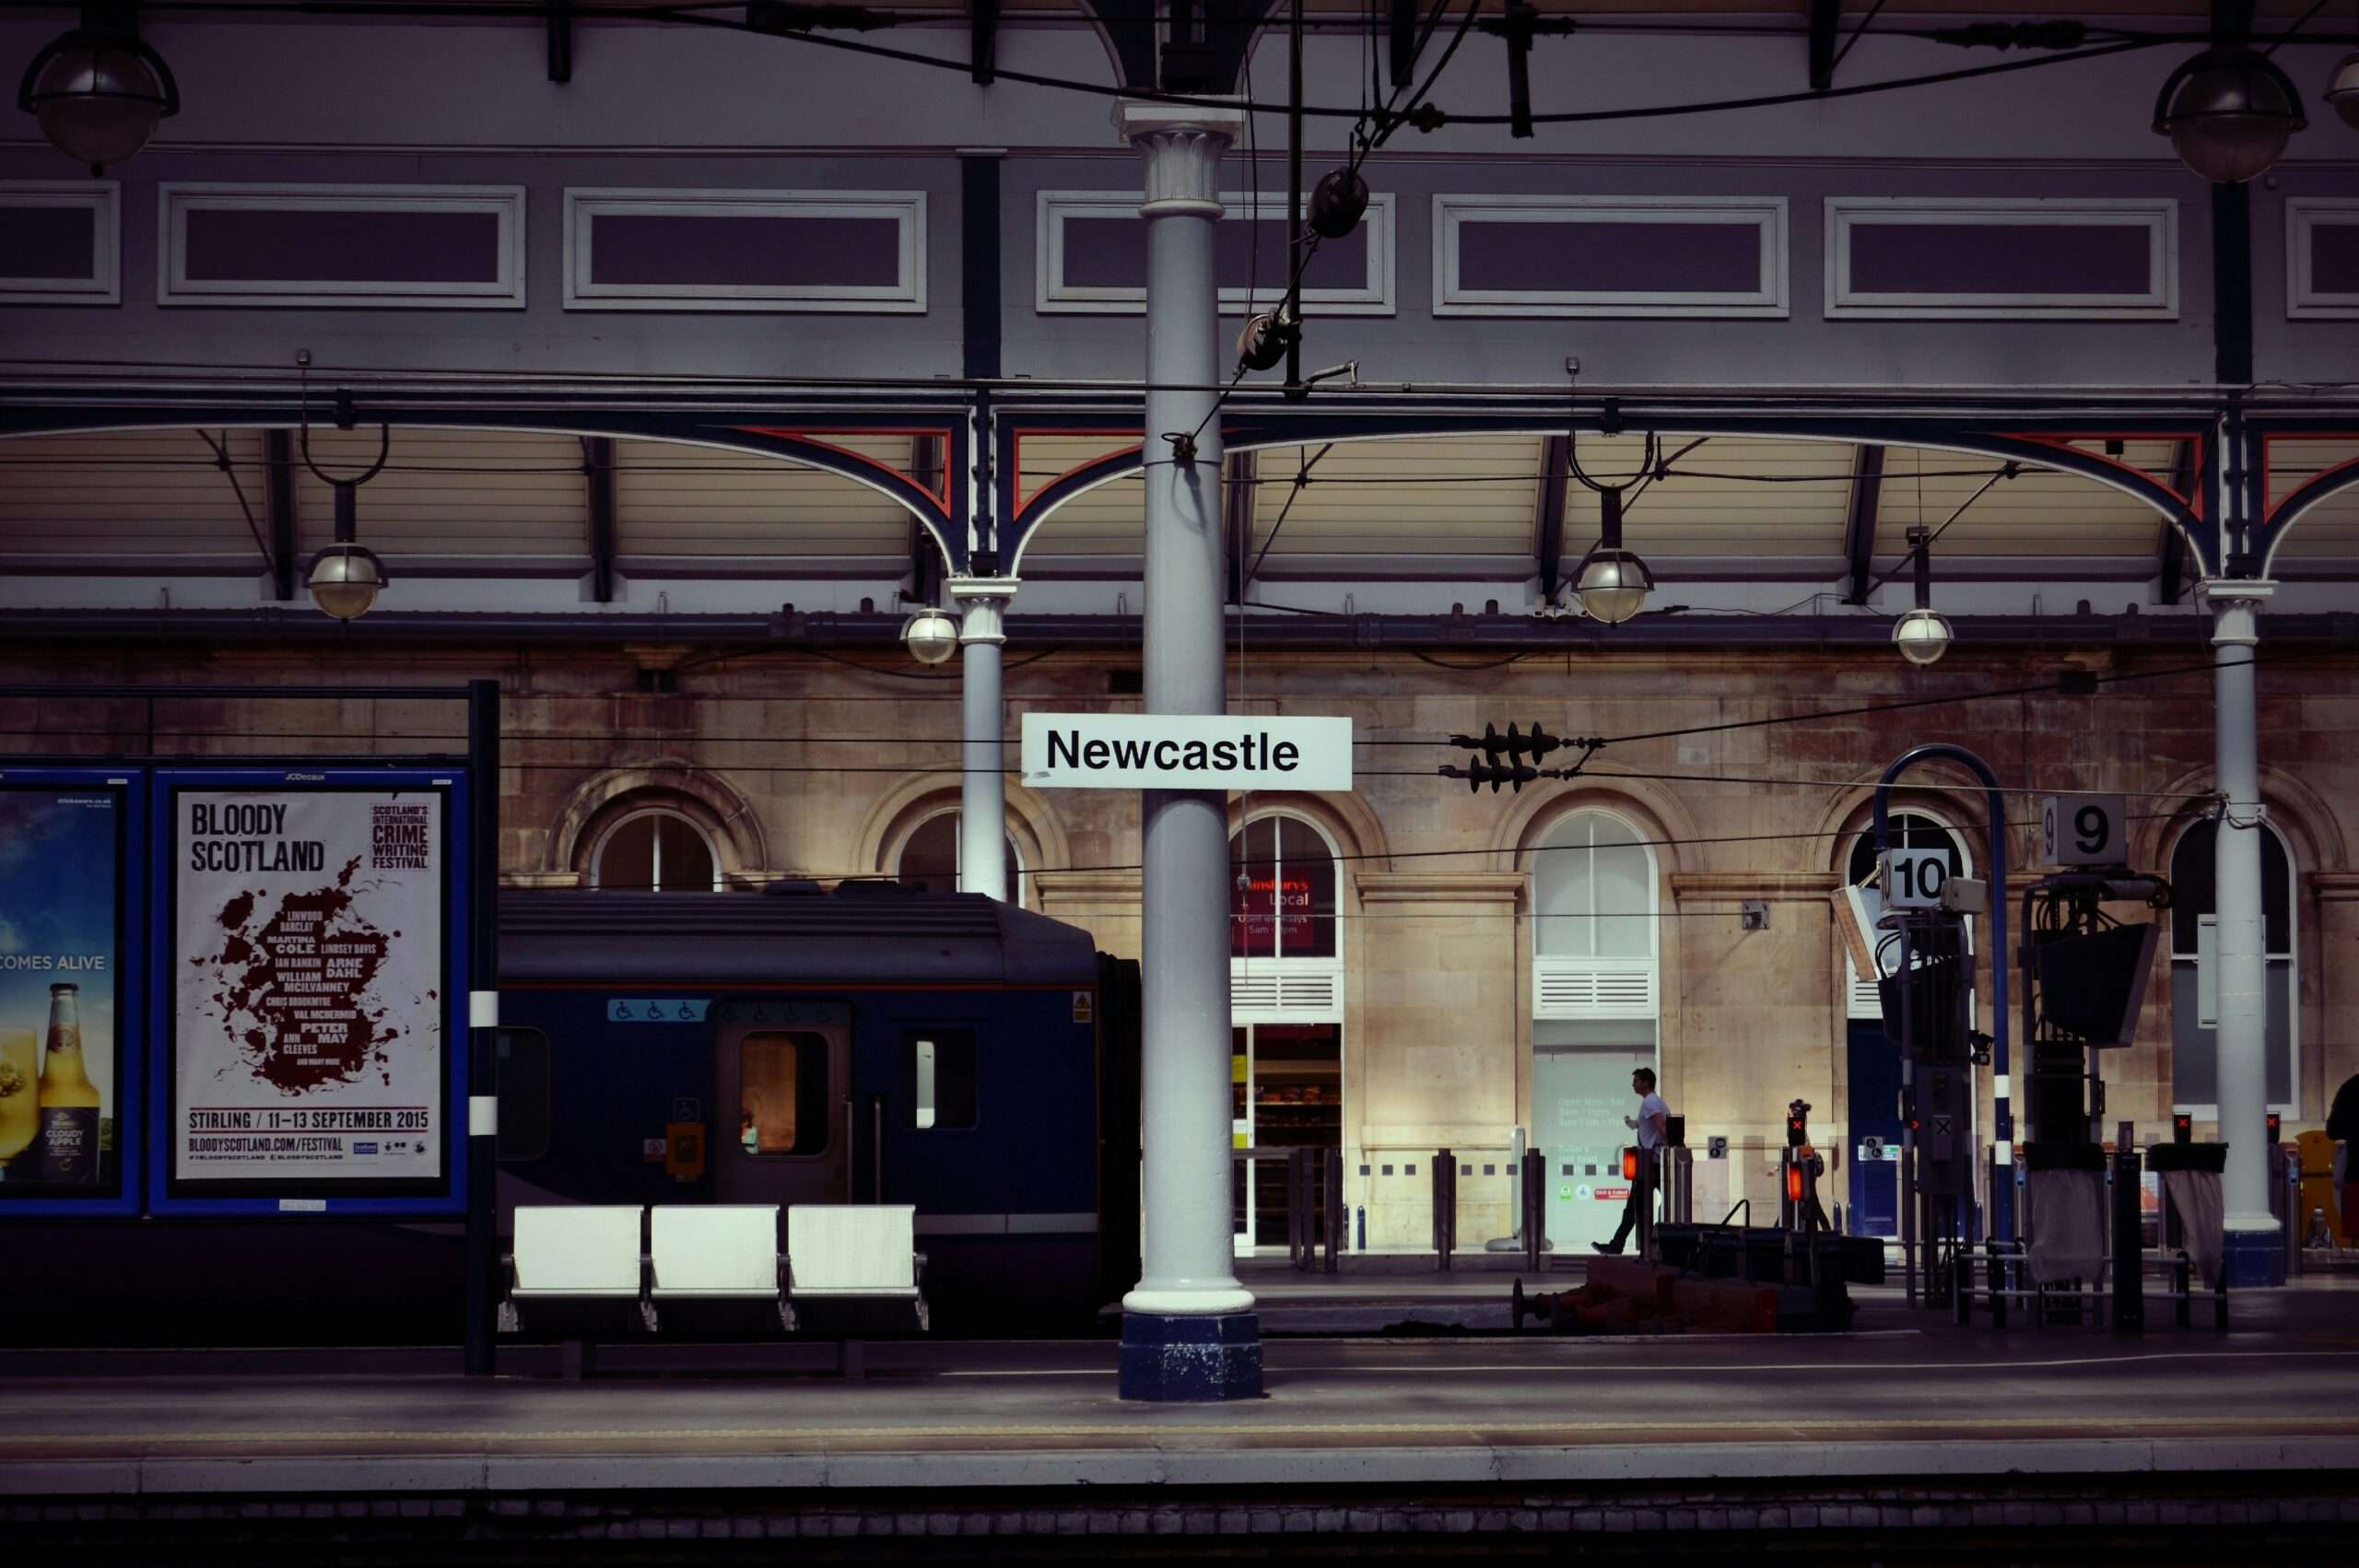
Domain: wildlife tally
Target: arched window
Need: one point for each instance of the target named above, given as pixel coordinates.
(1288, 1073)
(655, 850)
(930, 854)
(1596, 1005)
(1594, 908)
(1282, 890)
(2195, 988)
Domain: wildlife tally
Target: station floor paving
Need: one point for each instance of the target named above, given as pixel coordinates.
(1908, 1393)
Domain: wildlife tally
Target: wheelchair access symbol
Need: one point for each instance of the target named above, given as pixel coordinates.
(636, 1010)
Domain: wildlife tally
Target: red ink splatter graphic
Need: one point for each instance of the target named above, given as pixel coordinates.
(292, 986)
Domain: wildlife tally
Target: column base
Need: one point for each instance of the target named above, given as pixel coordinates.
(2253, 1258)
(1186, 1358)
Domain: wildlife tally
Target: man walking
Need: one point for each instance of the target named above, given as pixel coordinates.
(1651, 1122)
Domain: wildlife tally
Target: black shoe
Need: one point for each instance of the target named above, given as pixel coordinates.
(1609, 1251)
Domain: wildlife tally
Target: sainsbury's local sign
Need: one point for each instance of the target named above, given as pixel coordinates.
(1149, 751)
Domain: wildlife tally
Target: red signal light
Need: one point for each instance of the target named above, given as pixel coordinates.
(1629, 1165)
(1794, 1183)
(2182, 1129)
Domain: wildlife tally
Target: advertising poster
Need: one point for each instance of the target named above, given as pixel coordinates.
(308, 958)
(60, 1068)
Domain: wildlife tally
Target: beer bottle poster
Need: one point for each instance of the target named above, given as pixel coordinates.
(307, 947)
(58, 1062)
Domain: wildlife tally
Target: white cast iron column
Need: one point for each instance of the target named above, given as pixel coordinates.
(2241, 968)
(982, 786)
(1187, 1330)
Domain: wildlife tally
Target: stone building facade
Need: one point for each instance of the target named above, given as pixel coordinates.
(1471, 967)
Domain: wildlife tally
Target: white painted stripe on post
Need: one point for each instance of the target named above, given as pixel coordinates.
(482, 1010)
(483, 1116)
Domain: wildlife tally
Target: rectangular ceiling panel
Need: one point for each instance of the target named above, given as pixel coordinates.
(130, 495)
(677, 500)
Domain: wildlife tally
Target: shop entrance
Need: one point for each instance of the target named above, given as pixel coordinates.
(1580, 1096)
(1286, 1092)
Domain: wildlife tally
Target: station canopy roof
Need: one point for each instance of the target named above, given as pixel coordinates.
(488, 503)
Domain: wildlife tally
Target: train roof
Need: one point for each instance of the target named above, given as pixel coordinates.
(865, 935)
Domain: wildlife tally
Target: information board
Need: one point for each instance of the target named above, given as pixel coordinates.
(310, 988)
(63, 971)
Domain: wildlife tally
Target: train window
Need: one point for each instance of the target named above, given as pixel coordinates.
(782, 1098)
(942, 1078)
(521, 1071)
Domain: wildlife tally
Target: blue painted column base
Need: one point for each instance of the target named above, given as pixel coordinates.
(2252, 1259)
(1183, 1358)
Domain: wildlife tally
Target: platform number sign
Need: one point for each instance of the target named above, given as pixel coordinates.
(1913, 878)
(2082, 830)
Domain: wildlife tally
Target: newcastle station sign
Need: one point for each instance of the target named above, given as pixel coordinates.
(1149, 751)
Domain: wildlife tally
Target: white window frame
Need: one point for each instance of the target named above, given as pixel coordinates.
(1770, 299)
(1545, 965)
(585, 204)
(2290, 956)
(712, 850)
(2157, 216)
(2302, 300)
(176, 199)
(1016, 872)
(1053, 296)
(1307, 990)
(103, 200)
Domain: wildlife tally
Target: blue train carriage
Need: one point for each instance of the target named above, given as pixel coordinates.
(874, 1044)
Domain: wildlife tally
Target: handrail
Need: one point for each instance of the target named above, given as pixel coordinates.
(1743, 1203)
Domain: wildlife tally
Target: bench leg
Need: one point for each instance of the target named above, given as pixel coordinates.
(852, 1360)
(577, 1360)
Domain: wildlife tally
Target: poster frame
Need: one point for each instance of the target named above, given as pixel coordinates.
(308, 1197)
(131, 1000)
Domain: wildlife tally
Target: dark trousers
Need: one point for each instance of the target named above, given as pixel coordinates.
(1639, 1194)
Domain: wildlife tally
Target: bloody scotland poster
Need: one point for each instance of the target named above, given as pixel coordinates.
(309, 965)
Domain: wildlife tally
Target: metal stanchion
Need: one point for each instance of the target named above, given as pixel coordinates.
(1445, 1207)
(482, 1239)
(1302, 1226)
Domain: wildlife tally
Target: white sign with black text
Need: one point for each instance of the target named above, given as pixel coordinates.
(2082, 830)
(1913, 878)
(1150, 751)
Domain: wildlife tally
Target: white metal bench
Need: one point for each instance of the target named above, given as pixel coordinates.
(703, 1252)
(859, 1254)
(576, 1256)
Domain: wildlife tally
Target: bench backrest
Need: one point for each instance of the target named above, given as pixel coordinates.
(714, 1246)
(577, 1247)
(836, 1246)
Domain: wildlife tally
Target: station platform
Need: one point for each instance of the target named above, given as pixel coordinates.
(1909, 1437)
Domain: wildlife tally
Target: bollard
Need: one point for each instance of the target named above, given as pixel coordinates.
(1535, 1208)
(2128, 1243)
(1335, 1208)
(1359, 1236)
(1445, 1207)
(1301, 1216)
(1642, 1182)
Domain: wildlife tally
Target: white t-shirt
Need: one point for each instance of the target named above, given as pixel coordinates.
(1650, 1132)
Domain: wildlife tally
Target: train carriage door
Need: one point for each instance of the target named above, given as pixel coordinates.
(782, 1133)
